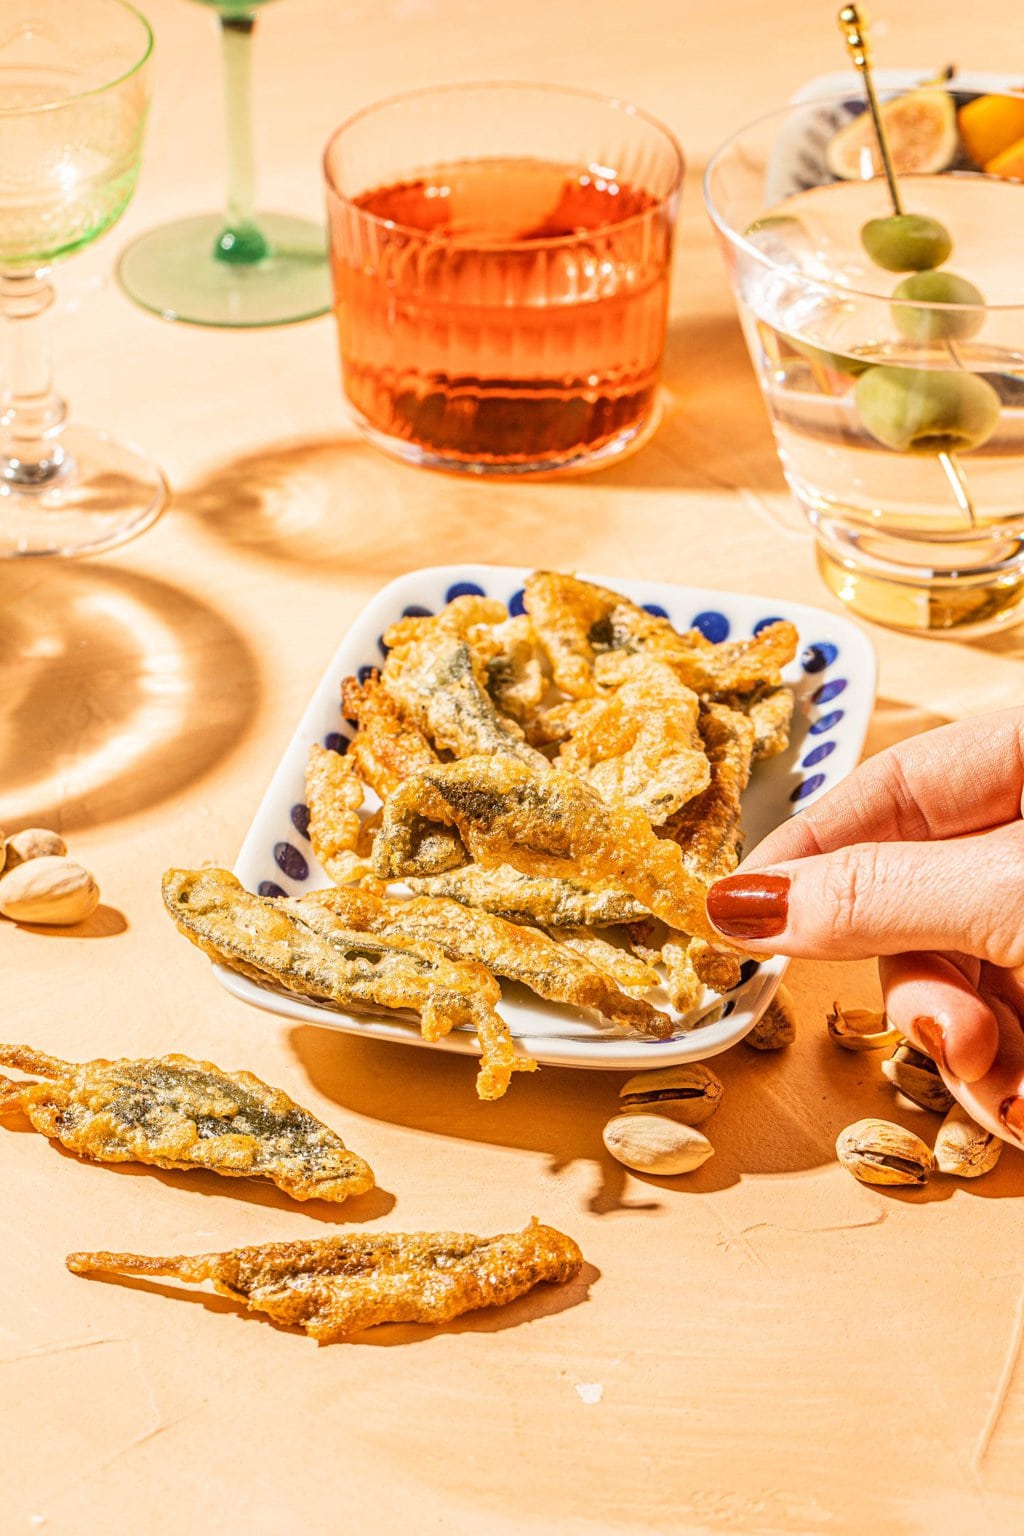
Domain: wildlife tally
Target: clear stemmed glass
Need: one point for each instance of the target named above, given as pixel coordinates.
(73, 99)
(239, 268)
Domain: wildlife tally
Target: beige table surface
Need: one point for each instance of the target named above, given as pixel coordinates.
(764, 1347)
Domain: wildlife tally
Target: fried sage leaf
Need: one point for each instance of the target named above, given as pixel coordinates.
(336, 1286)
(521, 954)
(542, 824)
(532, 898)
(173, 1112)
(305, 949)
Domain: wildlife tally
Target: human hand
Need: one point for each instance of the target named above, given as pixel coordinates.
(918, 858)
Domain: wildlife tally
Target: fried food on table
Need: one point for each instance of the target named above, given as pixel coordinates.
(386, 747)
(173, 1112)
(336, 1286)
(526, 955)
(709, 829)
(334, 795)
(305, 949)
(544, 824)
(532, 898)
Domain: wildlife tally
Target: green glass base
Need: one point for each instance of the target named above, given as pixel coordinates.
(173, 272)
(105, 494)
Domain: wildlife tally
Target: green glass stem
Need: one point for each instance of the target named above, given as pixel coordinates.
(31, 412)
(240, 242)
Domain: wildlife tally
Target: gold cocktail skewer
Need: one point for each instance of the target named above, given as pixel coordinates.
(853, 25)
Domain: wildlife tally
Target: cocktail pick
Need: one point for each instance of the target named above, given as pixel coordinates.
(853, 25)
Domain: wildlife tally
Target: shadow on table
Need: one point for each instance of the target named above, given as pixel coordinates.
(104, 674)
(340, 504)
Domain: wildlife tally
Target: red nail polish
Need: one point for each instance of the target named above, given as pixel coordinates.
(749, 906)
(929, 1032)
(1011, 1113)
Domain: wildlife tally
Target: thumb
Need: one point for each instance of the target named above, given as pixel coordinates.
(882, 899)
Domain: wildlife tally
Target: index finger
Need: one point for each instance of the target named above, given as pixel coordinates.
(957, 779)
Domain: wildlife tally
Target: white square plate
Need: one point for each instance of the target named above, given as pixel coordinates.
(834, 681)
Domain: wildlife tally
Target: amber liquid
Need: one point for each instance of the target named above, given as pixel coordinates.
(513, 313)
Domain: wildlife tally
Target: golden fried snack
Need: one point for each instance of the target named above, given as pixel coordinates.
(386, 747)
(641, 745)
(306, 950)
(684, 986)
(334, 796)
(525, 955)
(709, 829)
(532, 898)
(432, 674)
(771, 716)
(627, 969)
(716, 967)
(578, 621)
(173, 1112)
(336, 1286)
(542, 824)
(514, 676)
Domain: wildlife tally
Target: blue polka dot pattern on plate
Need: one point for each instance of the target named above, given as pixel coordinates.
(656, 608)
(817, 657)
(269, 888)
(747, 969)
(417, 611)
(290, 861)
(714, 626)
(829, 691)
(365, 673)
(463, 589)
(773, 618)
(818, 754)
(517, 603)
(300, 819)
(334, 741)
(826, 723)
(382, 647)
(730, 1005)
(808, 787)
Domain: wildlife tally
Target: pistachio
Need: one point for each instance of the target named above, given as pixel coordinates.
(33, 843)
(878, 1152)
(687, 1094)
(917, 1078)
(777, 1025)
(656, 1144)
(48, 890)
(964, 1148)
(859, 1029)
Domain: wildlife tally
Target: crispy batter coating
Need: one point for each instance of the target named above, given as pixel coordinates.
(334, 795)
(532, 898)
(173, 1112)
(306, 950)
(578, 621)
(525, 955)
(682, 982)
(386, 747)
(709, 829)
(512, 665)
(546, 824)
(716, 967)
(439, 684)
(641, 745)
(628, 970)
(336, 1286)
(771, 716)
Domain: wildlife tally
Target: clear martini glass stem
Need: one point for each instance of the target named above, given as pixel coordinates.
(240, 242)
(31, 412)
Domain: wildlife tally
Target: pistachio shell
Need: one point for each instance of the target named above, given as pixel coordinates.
(33, 843)
(878, 1152)
(656, 1144)
(860, 1029)
(688, 1094)
(777, 1025)
(917, 1078)
(48, 890)
(964, 1148)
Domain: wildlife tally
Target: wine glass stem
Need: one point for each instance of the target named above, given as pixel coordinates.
(240, 242)
(31, 412)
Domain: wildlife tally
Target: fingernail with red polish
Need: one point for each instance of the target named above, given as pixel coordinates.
(749, 906)
(929, 1032)
(1011, 1113)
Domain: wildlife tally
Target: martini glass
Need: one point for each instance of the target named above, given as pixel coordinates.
(238, 268)
(73, 99)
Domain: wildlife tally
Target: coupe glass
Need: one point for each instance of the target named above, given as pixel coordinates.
(73, 99)
(238, 268)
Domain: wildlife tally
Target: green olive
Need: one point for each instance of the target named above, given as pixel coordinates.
(921, 323)
(924, 410)
(837, 361)
(906, 242)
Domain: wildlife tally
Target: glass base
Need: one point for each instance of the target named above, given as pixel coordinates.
(105, 495)
(930, 602)
(628, 441)
(173, 272)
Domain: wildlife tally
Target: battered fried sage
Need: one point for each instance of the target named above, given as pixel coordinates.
(336, 1286)
(532, 898)
(306, 950)
(541, 824)
(386, 747)
(172, 1112)
(526, 955)
(334, 796)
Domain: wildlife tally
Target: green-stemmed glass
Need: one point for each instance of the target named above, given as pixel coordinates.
(238, 268)
(73, 99)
